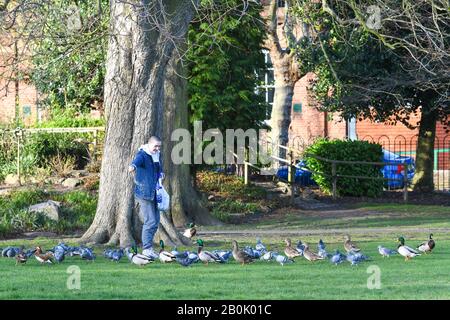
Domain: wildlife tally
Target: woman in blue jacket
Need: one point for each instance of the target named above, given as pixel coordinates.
(147, 167)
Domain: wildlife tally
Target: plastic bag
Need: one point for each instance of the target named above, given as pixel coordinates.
(163, 199)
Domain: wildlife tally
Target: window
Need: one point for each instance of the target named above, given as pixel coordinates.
(267, 83)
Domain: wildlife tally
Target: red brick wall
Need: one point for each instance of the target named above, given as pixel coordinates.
(27, 97)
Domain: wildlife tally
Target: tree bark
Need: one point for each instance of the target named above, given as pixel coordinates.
(424, 172)
(286, 74)
(143, 38)
(186, 205)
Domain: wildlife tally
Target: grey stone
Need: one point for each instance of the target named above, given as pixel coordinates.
(71, 182)
(11, 179)
(50, 209)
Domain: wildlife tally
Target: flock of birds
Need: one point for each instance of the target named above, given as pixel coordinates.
(243, 256)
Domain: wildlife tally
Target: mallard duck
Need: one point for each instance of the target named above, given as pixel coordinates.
(137, 258)
(207, 256)
(289, 251)
(43, 258)
(406, 251)
(385, 252)
(239, 255)
(165, 256)
(309, 255)
(427, 246)
(349, 245)
(190, 231)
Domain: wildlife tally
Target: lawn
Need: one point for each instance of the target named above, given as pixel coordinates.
(425, 277)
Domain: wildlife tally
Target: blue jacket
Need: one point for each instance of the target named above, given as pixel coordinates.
(146, 175)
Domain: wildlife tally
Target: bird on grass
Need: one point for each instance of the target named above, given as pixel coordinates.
(116, 255)
(356, 257)
(268, 256)
(309, 255)
(427, 246)
(137, 258)
(190, 231)
(87, 254)
(165, 256)
(239, 255)
(21, 257)
(59, 254)
(386, 252)
(260, 247)
(321, 250)
(337, 257)
(185, 262)
(207, 256)
(406, 251)
(43, 258)
(349, 245)
(300, 247)
(289, 251)
(282, 259)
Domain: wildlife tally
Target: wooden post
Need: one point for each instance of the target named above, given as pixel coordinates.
(291, 175)
(18, 135)
(95, 145)
(246, 173)
(405, 183)
(334, 178)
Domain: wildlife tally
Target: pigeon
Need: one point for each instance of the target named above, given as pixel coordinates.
(356, 258)
(87, 254)
(282, 259)
(337, 258)
(117, 255)
(269, 255)
(59, 254)
(385, 252)
(259, 246)
(185, 262)
(300, 247)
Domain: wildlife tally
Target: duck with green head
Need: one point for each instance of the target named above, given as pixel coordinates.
(165, 256)
(137, 258)
(427, 246)
(207, 256)
(406, 251)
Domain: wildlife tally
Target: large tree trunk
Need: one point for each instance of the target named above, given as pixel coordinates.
(186, 205)
(143, 38)
(424, 175)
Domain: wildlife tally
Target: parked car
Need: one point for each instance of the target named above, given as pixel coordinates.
(395, 171)
(392, 171)
(302, 177)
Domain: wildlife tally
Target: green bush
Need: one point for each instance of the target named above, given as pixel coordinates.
(349, 151)
(77, 212)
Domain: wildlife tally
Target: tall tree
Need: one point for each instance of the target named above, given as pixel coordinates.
(287, 71)
(143, 38)
(382, 60)
(224, 59)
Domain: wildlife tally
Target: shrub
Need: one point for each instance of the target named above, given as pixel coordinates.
(349, 151)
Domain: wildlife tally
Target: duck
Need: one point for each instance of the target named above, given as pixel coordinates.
(190, 231)
(406, 251)
(207, 256)
(385, 252)
(137, 258)
(165, 256)
(349, 245)
(427, 246)
(43, 258)
(239, 255)
(309, 255)
(289, 251)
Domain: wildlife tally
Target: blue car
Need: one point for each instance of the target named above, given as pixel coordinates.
(302, 177)
(395, 171)
(392, 171)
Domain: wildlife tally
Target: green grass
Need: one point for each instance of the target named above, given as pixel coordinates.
(425, 277)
